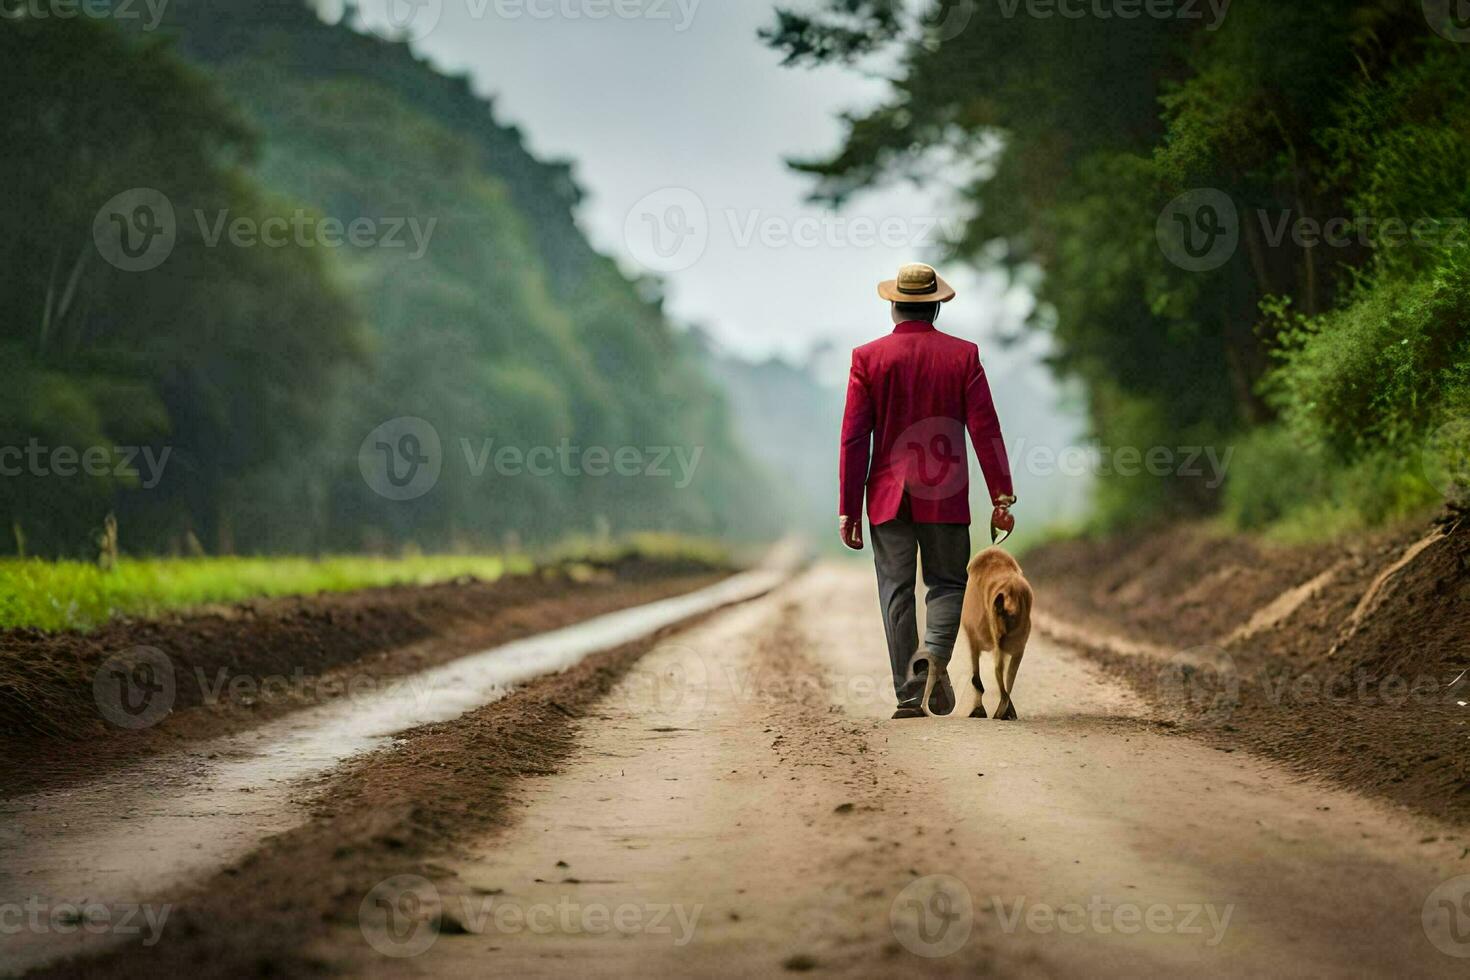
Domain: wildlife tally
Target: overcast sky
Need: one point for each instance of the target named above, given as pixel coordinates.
(679, 121)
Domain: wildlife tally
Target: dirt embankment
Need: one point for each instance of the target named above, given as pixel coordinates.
(1348, 661)
(229, 668)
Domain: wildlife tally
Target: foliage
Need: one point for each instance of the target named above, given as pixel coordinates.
(262, 369)
(1325, 361)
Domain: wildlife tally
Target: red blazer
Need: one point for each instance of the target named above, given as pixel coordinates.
(910, 399)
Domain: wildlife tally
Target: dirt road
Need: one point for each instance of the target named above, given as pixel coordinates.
(741, 803)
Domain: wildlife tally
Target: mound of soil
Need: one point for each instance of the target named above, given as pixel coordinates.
(236, 666)
(1350, 661)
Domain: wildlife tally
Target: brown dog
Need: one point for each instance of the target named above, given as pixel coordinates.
(996, 616)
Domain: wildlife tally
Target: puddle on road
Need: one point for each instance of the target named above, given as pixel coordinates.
(130, 836)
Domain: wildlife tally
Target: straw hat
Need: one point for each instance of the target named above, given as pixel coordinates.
(916, 283)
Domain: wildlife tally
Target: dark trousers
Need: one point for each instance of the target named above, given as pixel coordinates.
(944, 551)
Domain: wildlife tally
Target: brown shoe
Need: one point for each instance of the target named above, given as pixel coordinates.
(908, 711)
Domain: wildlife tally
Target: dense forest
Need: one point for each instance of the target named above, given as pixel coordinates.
(1325, 144)
(247, 376)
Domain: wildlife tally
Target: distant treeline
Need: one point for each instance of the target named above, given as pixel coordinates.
(353, 239)
(1249, 223)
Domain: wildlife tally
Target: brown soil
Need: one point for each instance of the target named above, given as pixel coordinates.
(379, 817)
(802, 829)
(310, 647)
(1375, 707)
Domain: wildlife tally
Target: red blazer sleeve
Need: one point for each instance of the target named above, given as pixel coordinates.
(984, 426)
(857, 440)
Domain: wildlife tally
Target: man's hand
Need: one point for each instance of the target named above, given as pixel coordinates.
(1001, 519)
(851, 532)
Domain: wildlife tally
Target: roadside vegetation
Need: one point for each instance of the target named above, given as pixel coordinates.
(74, 595)
(218, 403)
(1327, 344)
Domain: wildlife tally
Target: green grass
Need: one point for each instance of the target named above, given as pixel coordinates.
(76, 595)
(63, 595)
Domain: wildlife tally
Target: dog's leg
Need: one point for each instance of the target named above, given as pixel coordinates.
(1003, 709)
(1007, 711)
(979, 710)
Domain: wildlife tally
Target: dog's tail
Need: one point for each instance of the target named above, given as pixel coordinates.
(931, 675)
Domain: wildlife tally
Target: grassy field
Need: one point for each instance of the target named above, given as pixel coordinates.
(76, 595)
(51, 595)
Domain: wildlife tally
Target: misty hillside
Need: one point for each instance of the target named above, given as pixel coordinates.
(474, 304)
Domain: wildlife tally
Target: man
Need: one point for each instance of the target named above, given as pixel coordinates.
(911, 397)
